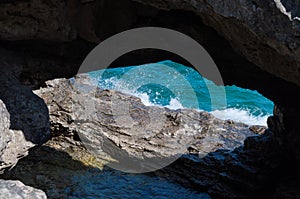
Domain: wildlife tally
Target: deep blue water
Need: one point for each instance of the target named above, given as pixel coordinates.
(114, 184)
(175, 86)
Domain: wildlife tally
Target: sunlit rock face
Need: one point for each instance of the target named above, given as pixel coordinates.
(122, 126)
(209, 152)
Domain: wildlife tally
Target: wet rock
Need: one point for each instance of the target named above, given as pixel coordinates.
(16, 190)
(257, 129)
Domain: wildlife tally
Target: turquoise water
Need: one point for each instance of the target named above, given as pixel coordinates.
(174, 85)
(171, 85)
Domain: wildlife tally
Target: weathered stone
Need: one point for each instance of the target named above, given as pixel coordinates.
(265, 32)
(24, 120)
(13, 144)
(121, 126)
(28, 112)
(17, 190)
(35, 19)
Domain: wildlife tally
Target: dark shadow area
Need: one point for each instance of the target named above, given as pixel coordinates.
(60, 176)
(292, 7)
(44, 60)
(246, 172)
(50, 170)
(28, 112)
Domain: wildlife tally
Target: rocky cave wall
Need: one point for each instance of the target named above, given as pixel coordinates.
(255, 44)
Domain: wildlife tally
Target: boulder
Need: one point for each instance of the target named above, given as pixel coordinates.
(122, 126)
(191, 147)
(13, 144)
(17, 190)
(24, 120)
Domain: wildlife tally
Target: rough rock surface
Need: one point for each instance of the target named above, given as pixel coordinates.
(246, 172)
(17, 190)
(57, 165)
(28, 112)
(265, 32)
(121, 126)
(24, 120)
(208, 163)
(35, 19)
(13, 144)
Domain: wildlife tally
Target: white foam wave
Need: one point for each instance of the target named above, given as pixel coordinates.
(175, 104)
(239, 115)
(234, 114)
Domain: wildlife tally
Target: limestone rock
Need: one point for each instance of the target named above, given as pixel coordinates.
(123, 127)
(17, 190)
(24, 120)
(13, 144)
(213, 157)
(28, 112)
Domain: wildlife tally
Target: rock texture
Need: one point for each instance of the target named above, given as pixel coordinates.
(246, 172)
(28, 113)
(13, 144)
(17, 190)
(265, 32)
(24, 117)
(121, 126)
(209, 162)
(37, 19)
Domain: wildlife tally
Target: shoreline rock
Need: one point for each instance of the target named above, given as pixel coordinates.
(16, 190)
(225, 173)
(13, 144)
(121, 126)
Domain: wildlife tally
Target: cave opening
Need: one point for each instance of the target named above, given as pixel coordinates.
(45, 60)
(238, 99)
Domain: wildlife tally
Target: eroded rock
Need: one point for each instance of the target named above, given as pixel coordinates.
(17, 190)
(123, 127)
(28, 112)
(214, 158)
(13, 144)
(265, 32)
